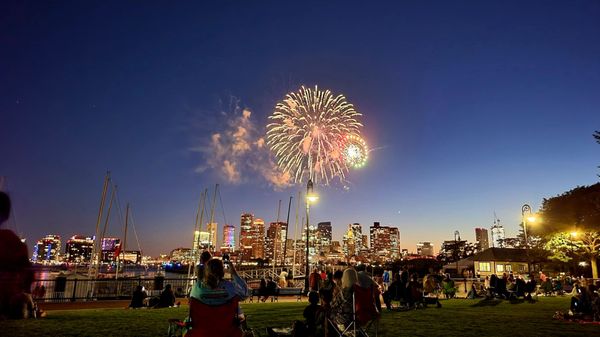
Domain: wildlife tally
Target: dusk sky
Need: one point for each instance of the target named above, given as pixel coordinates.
(470, 107)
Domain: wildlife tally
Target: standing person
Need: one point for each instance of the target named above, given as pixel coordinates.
(16, 274)
(386, 280)
(283, 279)
(314, 280)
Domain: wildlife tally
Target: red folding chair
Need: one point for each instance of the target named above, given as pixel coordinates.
(211, 321)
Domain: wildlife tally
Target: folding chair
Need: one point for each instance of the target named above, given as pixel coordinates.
(364, 314)
(209, 320)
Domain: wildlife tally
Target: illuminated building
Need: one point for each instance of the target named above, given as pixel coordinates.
(258, 243)
(425, 248)
(252, 237)
(353, 240)
(497, 235)
(79, 249)
(182, 255)
(132, 257)
(274, 242)
(228, 244)
(385, 241)
(109, 246)
(246, 236)
(47, 249)
(324, 236)
(481, 238)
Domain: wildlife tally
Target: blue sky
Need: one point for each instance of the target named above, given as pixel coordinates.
(472, 107)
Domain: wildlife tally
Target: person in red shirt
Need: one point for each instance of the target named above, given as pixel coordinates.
(16, 274)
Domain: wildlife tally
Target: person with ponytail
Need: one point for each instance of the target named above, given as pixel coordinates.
(214, 290)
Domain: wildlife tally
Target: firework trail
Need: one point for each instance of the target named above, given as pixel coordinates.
(309, 135)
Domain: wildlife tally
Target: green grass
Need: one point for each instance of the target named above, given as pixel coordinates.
(456, 318)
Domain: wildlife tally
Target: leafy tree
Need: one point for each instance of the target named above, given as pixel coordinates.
(576, 211)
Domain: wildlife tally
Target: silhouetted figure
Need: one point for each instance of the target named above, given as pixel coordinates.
(16, 275)
(314, 280)
(137, 298)
(167, 298)
(204, 257)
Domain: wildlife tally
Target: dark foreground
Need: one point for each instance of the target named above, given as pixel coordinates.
(456, 318)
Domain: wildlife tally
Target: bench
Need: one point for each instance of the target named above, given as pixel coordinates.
(254, 292)
(289, 292)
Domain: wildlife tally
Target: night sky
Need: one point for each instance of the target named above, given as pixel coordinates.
(471, 108)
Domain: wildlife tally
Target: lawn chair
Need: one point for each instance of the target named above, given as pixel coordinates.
(209, 321)
(364, 314)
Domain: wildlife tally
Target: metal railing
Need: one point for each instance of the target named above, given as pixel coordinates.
(63, 290)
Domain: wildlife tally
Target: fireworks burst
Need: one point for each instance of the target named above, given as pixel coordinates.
(309, 134)
(355, 151)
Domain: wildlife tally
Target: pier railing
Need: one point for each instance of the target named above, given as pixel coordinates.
(63, 289)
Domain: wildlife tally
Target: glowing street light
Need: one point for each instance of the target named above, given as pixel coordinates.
(311, 197)
(531, 218)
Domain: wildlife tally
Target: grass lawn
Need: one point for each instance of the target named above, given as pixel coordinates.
(456, 318)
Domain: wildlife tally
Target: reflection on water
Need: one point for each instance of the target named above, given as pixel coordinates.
(50, 273)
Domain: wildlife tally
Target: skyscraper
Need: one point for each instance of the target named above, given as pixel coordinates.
(482, 239)
(385, 241)
(228, 244)
(246, 236)
(353, 240)
(274, 242)
(323, 236)
(258, 245)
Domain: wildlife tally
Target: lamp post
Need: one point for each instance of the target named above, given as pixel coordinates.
(310, 197)
(527, 215)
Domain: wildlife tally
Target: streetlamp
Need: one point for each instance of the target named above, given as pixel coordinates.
(527, 216)
(310, 197)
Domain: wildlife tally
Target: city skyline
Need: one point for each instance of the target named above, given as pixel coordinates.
(470, 109)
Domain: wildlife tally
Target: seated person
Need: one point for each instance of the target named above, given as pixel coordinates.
(271, 287)
(414, 294)
(448, 286)
(342, 305)
(214, 290)
(472, 294)
(581, 303)
(394, 292)
(16, 274)
(137, 298)
(166, 299)
(530, 287)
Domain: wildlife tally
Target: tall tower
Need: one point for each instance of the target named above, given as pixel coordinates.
(228, 244)
(246, 236)
(497, 234)
(258, 239)
(275, 241)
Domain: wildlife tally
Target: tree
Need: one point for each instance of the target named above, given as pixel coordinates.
(575, 213)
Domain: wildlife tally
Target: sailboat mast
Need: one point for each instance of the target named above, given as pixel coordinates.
(112, 198)
(276, 234)
(98, 220)
(287, 226)
(196, 229)
(212, 214)
(296, 234)
(124, 245)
